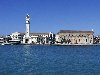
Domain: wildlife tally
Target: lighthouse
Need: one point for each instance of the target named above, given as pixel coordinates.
(27, 38)
(27, 34)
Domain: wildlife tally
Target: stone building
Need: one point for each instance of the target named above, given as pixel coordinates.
(74, 37)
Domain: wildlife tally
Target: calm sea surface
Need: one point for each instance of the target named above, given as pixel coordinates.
(49, 60)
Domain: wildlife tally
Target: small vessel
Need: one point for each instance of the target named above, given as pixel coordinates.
(5, 44)
(14, 42)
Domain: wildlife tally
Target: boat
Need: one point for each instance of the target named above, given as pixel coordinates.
(5, 44)
(14, 42)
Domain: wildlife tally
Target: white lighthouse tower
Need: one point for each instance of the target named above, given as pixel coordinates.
(27, 38)
(27, 34)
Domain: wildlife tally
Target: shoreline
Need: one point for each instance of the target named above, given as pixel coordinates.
(54, 44)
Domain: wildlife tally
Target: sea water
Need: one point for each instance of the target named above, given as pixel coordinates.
(49, 60)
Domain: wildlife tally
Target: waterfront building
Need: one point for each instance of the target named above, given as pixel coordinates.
(42, 38)
(97, 39)
(1, 39)
(57, 39)
(36, 38)
(74, 37)
(16, 37)
(4, 39)
(39, 38)
(51, 38)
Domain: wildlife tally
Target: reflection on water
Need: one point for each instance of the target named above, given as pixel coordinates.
(49, 60)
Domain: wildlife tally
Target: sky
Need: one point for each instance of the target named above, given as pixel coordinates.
(49, 15)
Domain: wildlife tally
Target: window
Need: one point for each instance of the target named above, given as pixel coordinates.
(79, 40)
(90, 41)
(13, 36)
(86, 40)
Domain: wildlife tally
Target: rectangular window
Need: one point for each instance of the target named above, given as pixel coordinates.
(90, 41)
(86, 40)
(79, 40)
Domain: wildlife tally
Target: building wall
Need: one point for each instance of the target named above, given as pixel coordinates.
(39, 38)
(1, 39)
(75, 38)
(34, 39)
(16, 36)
